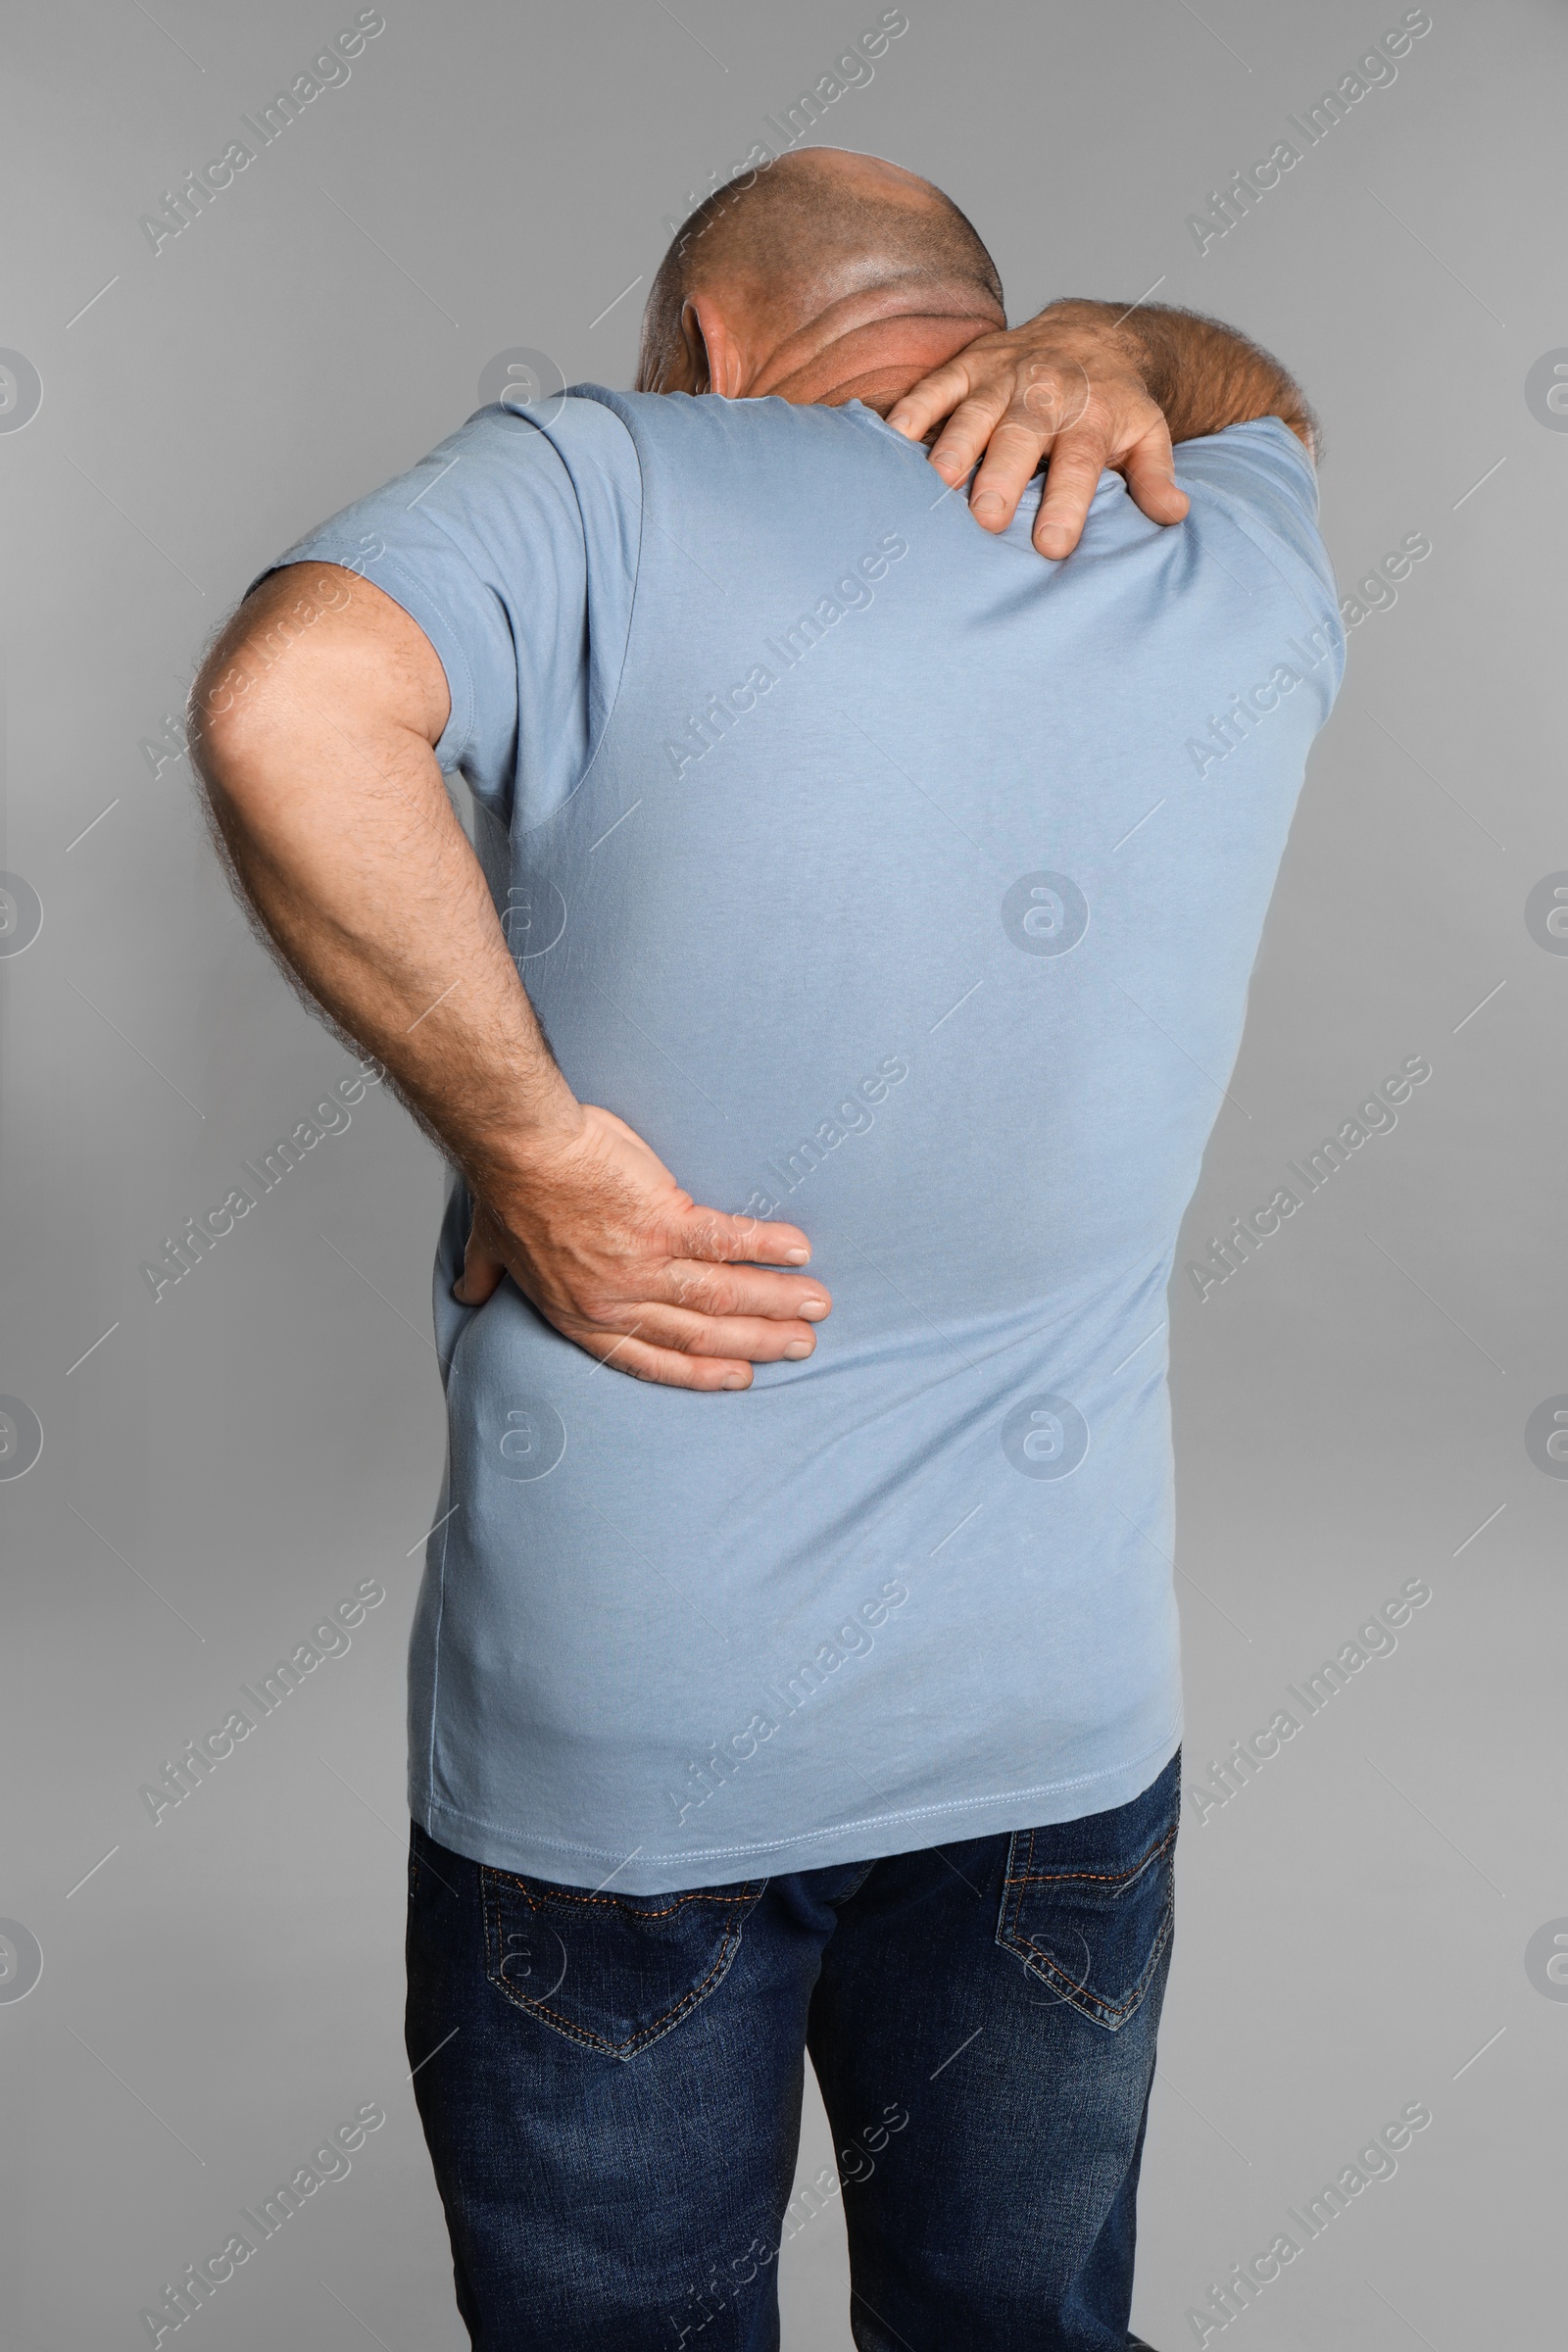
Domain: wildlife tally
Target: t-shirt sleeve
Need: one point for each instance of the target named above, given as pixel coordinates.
(513, 546)
(1257, 478)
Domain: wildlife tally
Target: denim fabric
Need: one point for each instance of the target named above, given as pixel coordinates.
(611, 2086)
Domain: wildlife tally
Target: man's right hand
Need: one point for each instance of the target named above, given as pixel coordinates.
(597, 1234)
(315, 724)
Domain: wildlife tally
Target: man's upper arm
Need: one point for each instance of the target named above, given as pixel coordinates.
(484, 548)
(1207, 376)
(314, 654)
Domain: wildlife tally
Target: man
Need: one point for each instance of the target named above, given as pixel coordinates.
(872, 877)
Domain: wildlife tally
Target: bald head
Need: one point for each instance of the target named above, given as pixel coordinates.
(825, 277)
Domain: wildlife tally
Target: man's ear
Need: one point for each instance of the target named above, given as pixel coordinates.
(713, 357)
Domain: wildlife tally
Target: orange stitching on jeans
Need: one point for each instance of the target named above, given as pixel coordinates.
(688, 2000)
(1096, 1878)
(491, 1916)
(571, 1895)
(1110, 2008)
(1024, 1947)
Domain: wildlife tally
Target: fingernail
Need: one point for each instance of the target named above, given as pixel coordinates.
(989, 501)
(795, 1257)
(799, 1347)
(813, 1311)
(733, 1379)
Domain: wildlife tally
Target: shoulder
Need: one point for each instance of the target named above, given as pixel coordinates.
(1254, 505)
(1261, 461)
(1257, 478)
(532, 457)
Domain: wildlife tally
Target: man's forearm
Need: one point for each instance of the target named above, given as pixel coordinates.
(314, 745)
(315, 723)
(1201, 373)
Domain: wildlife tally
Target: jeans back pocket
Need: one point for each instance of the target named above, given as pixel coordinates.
(1088, 1905)
(611, 1972)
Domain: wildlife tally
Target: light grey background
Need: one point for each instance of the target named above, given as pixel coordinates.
(224, 1989)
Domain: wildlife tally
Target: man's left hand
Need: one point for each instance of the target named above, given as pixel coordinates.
(1058, 387)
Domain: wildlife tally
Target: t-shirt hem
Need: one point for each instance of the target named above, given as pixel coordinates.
(904, 1830)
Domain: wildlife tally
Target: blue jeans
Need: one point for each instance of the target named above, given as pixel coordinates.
(611, 2088)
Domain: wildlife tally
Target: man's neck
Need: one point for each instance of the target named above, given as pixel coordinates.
(870, 346)
(876, 364)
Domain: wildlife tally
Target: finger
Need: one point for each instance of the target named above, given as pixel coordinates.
(743, 1339)
(1015, 451)
(1077, 462)
(1150, 466)
(965, 436)
(666, 1367)
(729, 1288)
(707, 1233)
(481, 1273)
(931, 398)
(710, 1290)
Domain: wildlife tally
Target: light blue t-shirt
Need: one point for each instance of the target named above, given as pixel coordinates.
(894, 881)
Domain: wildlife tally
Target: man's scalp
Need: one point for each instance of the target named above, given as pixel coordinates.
(804, 231)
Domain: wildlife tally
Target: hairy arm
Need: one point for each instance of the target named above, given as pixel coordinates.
(1204, 374)
(316, 720)
(1091, 385)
